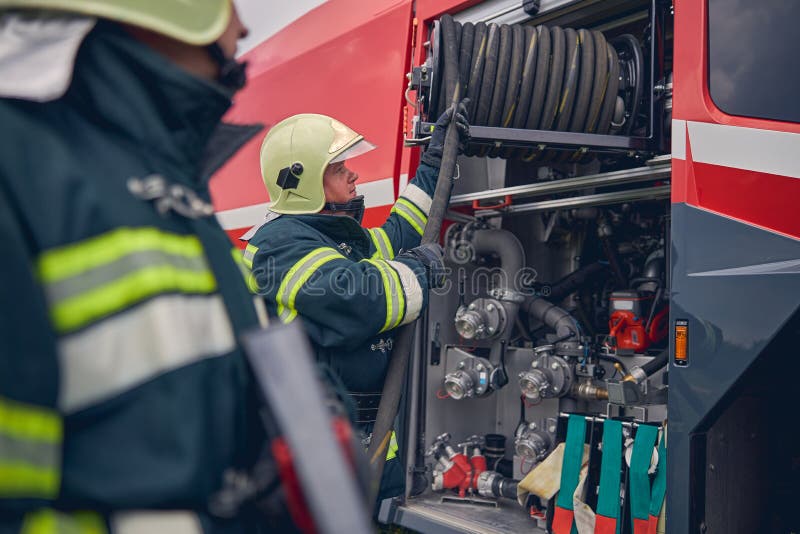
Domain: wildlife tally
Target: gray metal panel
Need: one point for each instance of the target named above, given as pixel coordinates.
(430, 516)
(731, 319)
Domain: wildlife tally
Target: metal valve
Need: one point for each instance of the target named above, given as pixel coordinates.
(532, 443)
(483, 319)
(471, 378)
(549, 376)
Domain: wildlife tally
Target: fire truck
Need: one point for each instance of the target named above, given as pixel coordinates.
(620, 325)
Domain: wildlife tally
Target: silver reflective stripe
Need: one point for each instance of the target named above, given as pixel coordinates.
(27, 451)
(382, 243)
(152, 521)
(394, 293)
(99, 276)
(299, 275)
(412, 290)
(419, 197)
(121, 352)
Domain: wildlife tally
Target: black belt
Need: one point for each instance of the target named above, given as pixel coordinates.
(366, 406)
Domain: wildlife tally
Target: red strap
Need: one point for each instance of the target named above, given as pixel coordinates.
(562, 521)
(652, 524)
(605, 525)
(640, 526)
(295, 501)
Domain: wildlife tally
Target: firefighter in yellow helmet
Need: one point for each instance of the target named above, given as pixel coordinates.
(350, 286)
(125, 398)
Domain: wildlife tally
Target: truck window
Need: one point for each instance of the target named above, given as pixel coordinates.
(753, 63)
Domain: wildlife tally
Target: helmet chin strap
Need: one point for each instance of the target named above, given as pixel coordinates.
(353, 207)
(232, 73)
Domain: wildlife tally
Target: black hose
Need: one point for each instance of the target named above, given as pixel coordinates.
(574, 280)
(398, 364)
(505, 487)
(539, 78)
(656, 363)
(611, 256)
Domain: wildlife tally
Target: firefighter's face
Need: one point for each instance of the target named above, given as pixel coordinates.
(230, 37)
(339, 183)
(194, 58)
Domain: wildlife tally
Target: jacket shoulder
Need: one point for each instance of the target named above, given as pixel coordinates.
(281, 230)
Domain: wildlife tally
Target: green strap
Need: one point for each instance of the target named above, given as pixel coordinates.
(660, 482)
(573, 457)
(641, 456)
(610, 469)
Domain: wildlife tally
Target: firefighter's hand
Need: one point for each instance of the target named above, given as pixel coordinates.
(433, 153)
(431, 257)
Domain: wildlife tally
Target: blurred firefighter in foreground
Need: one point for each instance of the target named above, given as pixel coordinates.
(123, 384)
(351, 286)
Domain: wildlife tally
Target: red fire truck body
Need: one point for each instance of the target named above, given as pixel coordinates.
(719, 127)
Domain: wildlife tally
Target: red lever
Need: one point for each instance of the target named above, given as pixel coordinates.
(476, 204)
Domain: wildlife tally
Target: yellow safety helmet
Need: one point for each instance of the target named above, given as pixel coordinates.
(196, 22)
(295, 154)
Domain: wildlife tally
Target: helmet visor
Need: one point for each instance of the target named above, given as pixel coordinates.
(362, 147)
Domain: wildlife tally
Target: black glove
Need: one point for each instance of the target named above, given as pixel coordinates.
(433, 154)
(431, 257)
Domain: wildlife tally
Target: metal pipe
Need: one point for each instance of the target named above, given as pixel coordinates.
(506, 246)
(589, 391)
(560, 320)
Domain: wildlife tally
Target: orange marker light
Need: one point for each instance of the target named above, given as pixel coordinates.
(681, 342)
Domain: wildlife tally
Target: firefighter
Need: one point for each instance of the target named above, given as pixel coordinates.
(350, 286)
(123, 386)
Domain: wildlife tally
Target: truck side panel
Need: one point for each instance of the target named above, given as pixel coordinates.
(340, 59)
(735, 266)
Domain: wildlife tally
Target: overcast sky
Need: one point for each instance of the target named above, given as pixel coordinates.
(265, 17)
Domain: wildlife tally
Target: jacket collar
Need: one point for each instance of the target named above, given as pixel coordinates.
(134, 92)
(340, 228)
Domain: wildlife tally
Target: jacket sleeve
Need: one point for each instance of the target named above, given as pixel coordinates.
(341, 301)
(406, 223)
(31, 428)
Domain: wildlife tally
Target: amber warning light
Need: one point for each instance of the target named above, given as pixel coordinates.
(681, 342)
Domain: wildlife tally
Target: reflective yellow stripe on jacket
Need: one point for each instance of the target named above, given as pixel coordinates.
(393, 291)
(391, 452)
(102, 275)
(411, 213)
(414, 205)
(47, 521)
(245, 265)
(383, 246)
(299, 275)
(30, 450)
(249, 254)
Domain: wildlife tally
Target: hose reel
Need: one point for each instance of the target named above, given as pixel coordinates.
(571, 87)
